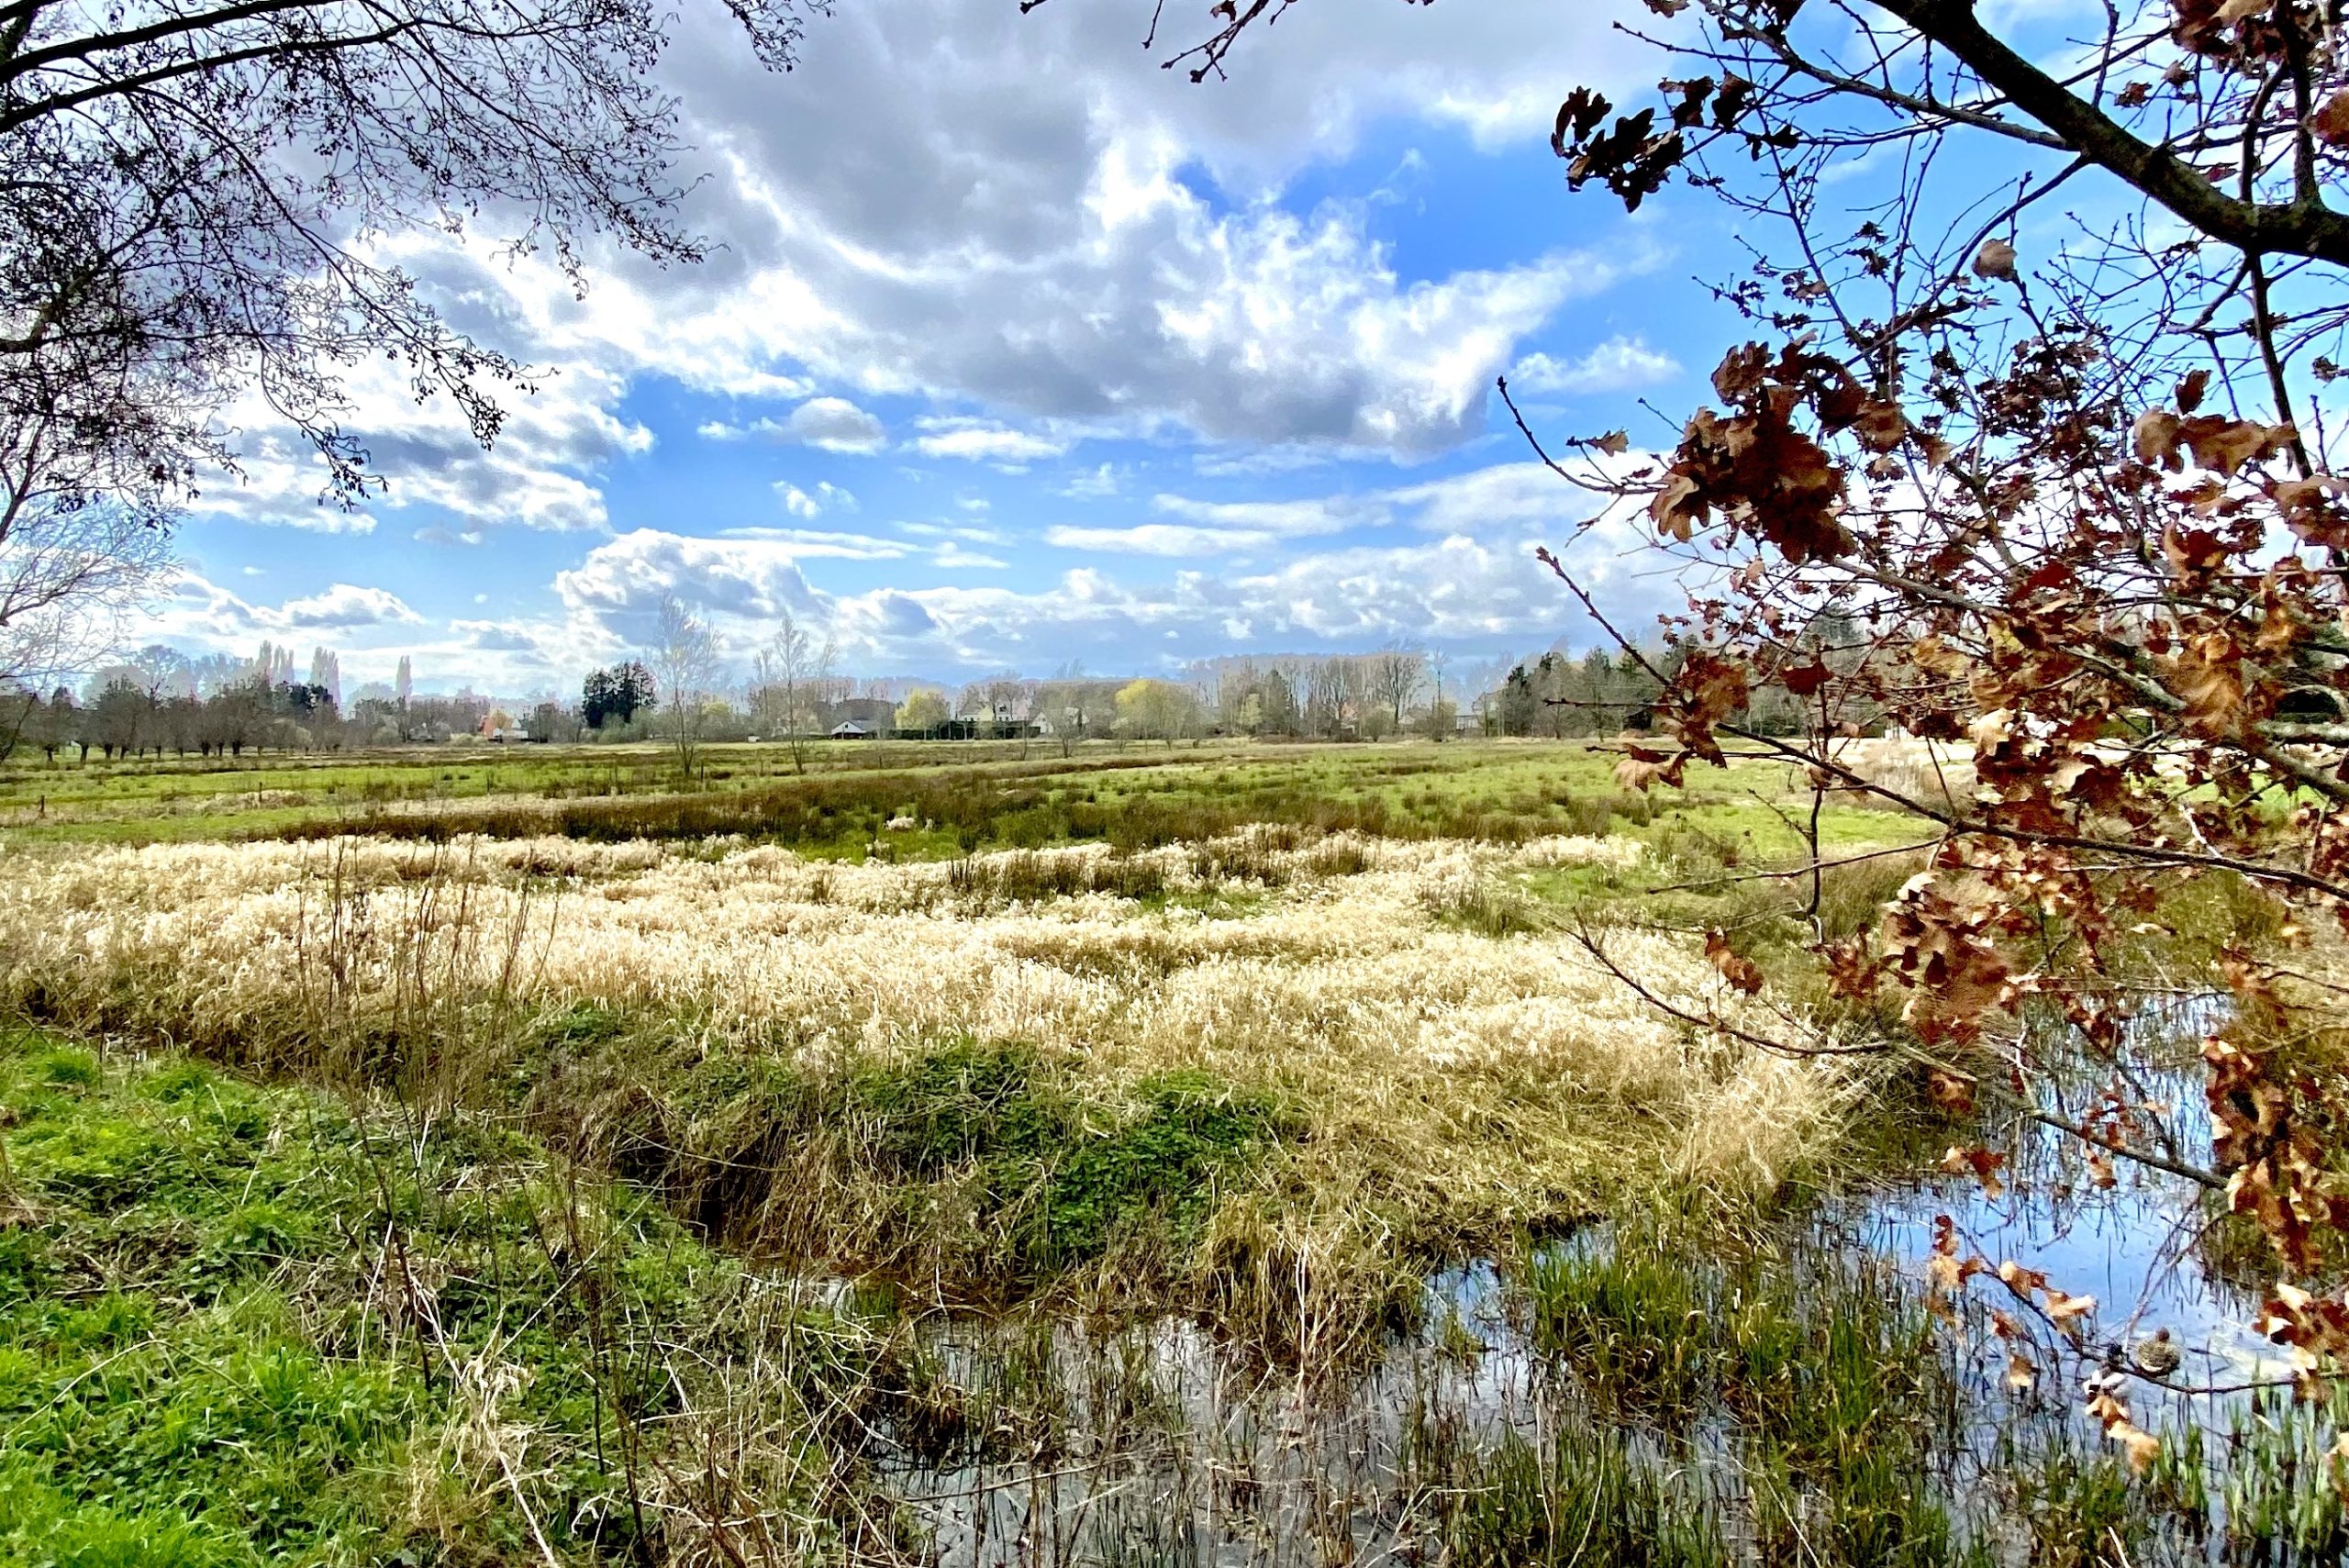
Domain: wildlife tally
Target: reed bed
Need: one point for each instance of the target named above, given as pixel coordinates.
(1442, 1083)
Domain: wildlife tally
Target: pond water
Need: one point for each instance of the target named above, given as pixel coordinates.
(1489, 1433)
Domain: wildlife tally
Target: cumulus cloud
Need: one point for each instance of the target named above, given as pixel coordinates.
(200, 613)
(826, 497)
(1619, 364)
(344, 607)
(1021, 220)
(1046, 251)
(620, 582)
(542, 472)
(1457, 567)
(834, 424)
(980, 440)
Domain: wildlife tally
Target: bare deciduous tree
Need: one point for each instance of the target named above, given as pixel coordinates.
(788, 679)
(194, 199)
(1393, 678)
(69, 573)
(684, 663)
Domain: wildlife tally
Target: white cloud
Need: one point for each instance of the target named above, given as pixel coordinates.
(1046, 252)
(1506, 497)
(540, 472)
(496, 637)
(968, 533)
(1094, 483)
(1461, 572)
(1282, 519)
(306, 513)
(342, 608)
(826, 497)
(201, 613)
(1619, 364)
(979, 440)
(1159, 539)
(953, 555)
(1052, 261)
(620, 582)
(834, 424)
(810, 544)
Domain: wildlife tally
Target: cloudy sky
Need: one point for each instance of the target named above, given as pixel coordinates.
(1016, 349)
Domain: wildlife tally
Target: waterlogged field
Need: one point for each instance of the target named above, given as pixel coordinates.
(899, 799)
(1149, 1155)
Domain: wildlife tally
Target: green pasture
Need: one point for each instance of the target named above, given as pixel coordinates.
(944, 798)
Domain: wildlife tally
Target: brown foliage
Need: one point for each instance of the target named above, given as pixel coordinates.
(1984, 498)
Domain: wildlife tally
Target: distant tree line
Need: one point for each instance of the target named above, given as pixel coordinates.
(1602, 692)
(160, 702)
(616, 696)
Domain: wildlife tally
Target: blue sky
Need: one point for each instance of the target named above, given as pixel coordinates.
(1017, 351)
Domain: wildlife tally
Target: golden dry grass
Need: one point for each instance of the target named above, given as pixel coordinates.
(1444, 1089)
(1483, 1073)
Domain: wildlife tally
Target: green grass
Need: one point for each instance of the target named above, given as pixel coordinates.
(238, 1326)
(1841, 1402)
(243, 1325)
(1067, 1189)
(974, 1167)
(961, 796)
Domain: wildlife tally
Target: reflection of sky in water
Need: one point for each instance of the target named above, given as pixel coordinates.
(2128, 1248)
(1246, 1464)
(2134, 1246)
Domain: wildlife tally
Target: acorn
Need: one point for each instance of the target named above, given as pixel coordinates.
(2156, 1356)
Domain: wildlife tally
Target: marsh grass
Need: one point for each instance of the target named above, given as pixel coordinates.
(978, 1160)
(1839, 1391)
(1485, 907)
(1029, 876)
(909, 801)
(1051, 1062)
(759, 1038)
(240, 1324)
(1579, 1496)
(243, 1325)
(970, 810)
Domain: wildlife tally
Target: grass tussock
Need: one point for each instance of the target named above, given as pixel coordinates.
(1031, 807)
(243, 1325)
(729, 1022)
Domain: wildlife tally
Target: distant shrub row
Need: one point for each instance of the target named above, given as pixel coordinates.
(976, 809)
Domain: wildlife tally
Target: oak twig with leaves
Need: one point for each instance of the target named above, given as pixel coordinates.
(2027, 458)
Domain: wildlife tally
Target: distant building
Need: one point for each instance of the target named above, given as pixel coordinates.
(851, 729)
(875, 715)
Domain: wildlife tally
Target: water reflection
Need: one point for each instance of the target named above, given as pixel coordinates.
(1045, 1442)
